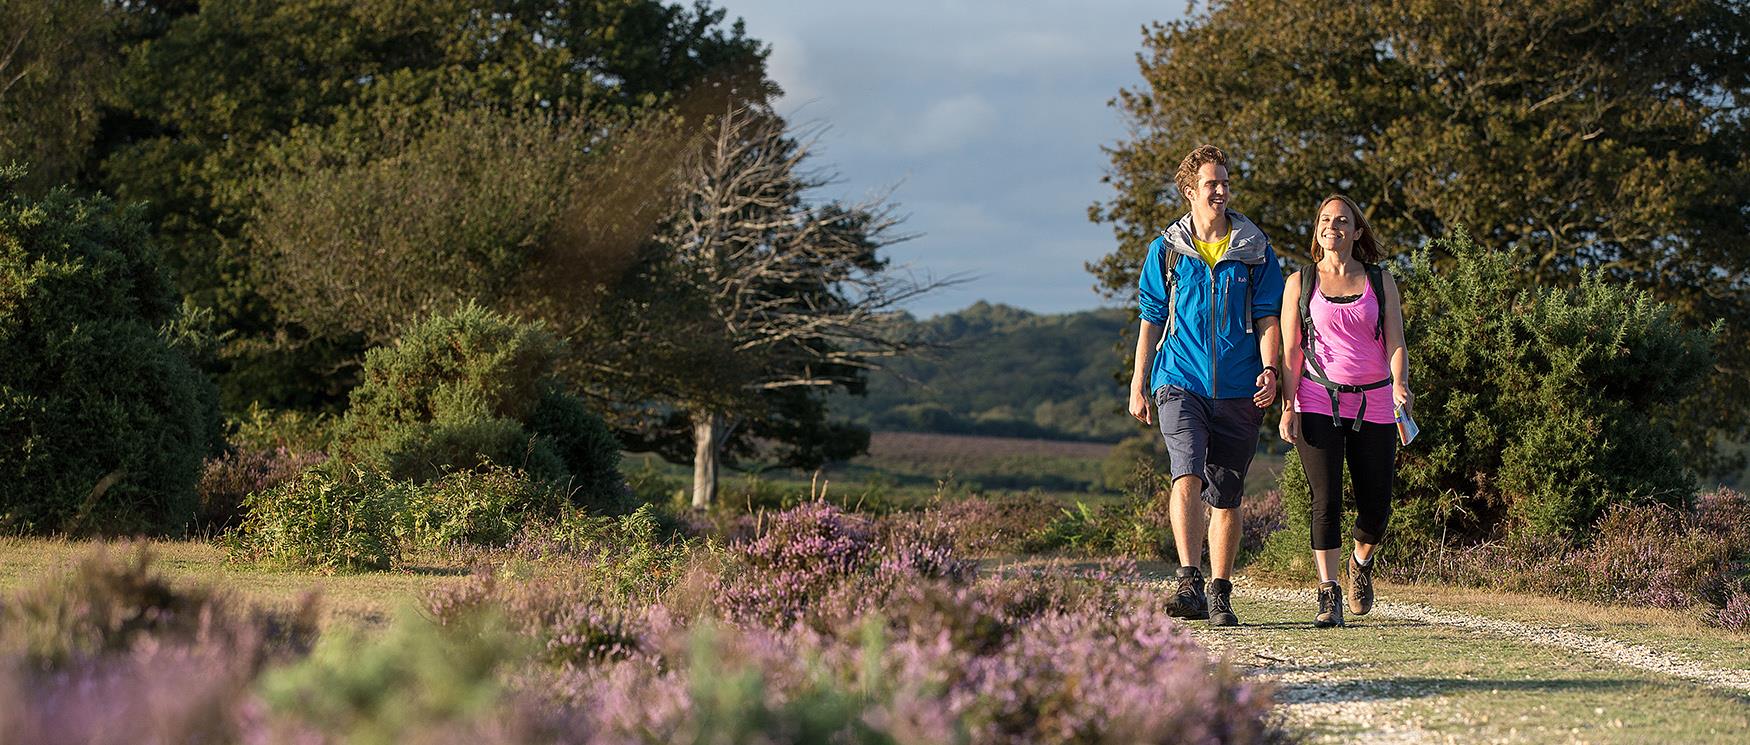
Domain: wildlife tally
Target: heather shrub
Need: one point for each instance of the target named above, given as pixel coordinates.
(1726, 513)
(473, 389)
(330, 518)
(1261, 516)
(176, 693)
(815, 557)
(228, 479)
(1735, 614)
(1640, 555)
(983, 526)
(105, 604)
(105, 421)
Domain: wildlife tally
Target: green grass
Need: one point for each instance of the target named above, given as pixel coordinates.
(360, 599)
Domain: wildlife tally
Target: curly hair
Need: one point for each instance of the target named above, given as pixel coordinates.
(1186, 178)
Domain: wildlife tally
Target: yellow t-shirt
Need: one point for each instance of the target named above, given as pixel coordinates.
(1212, 252)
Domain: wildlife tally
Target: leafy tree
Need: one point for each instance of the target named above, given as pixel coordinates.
(205, 95)
(105, 421)
(1577, 135)
(783, 299)
(56, 65)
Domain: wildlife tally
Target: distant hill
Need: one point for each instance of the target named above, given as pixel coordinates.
(1007, 372)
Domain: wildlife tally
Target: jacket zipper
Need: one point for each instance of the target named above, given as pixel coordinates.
(1214, 362)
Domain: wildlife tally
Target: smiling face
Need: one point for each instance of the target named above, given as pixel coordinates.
(1335, 229)
(1210, 194)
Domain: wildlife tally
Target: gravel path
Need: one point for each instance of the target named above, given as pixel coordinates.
(1321, 710)
(1621, 653)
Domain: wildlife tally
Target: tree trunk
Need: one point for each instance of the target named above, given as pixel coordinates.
(709, 431)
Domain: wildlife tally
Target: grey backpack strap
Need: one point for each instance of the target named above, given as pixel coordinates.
(1170, 279)
(1376, 279)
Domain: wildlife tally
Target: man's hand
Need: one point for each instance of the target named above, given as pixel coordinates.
(1139, 407)
(1289, 428)
(1266, 394)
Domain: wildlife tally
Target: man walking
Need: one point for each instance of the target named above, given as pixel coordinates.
(1209, 296)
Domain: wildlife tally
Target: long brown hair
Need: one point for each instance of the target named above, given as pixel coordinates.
(1366, 250)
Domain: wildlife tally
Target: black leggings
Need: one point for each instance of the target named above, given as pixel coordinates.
(1371, 454)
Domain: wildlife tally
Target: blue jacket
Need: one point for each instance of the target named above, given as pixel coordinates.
(1210, 347)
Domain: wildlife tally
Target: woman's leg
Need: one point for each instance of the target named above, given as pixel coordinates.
(1372, 457)
(1371, 454)
(1321, 457)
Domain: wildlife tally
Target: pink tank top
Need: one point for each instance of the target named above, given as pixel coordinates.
(1344, 345)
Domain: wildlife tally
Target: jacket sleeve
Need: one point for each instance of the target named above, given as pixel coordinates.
(1267, 295)
(1151, 290)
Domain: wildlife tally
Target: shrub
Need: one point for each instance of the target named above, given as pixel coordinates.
(105, 605)
(414, 682)
(472, 389)
(980, 526)
(227, 480)
(476, 507)
(1540, 408)
(330, 518)
(105, 422)
(1135, 528)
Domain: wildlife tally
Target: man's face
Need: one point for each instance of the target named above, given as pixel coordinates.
(1212, 188)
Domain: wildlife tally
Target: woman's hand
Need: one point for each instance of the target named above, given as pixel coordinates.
(1402, 397)
(1139, 406)
(1289, 427)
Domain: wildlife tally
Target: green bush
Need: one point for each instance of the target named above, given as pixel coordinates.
(1540, 407)
(416, 682)
(473, 389)
(104, 420)
(330, 518)
(476, 507)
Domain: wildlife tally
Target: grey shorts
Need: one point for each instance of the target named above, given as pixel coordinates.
(1210, 438)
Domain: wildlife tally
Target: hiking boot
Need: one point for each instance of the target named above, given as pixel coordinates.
(1221, 608)
(1188, 601)
(1330, 605)
(1360, 586)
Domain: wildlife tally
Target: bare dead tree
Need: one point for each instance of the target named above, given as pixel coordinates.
(795, 290)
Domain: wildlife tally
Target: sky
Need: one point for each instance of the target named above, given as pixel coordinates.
(986, 117)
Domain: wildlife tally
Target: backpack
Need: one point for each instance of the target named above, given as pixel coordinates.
(1309, 284)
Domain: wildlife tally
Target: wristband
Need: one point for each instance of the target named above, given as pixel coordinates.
(1273, 371)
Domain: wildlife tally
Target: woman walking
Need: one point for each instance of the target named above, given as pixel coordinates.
(1346, 371)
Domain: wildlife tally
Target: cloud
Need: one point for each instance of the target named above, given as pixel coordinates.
(788, 67)
(949, 124)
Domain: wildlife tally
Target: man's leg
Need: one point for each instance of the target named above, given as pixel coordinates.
(1185, 428)
(1224, 541)
(1187, 516)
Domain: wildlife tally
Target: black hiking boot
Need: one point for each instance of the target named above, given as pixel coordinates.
(1221, 608)
(1360, 586)
(1330, 605)
(1188, 602)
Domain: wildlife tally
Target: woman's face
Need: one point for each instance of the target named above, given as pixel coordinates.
(1335, 227)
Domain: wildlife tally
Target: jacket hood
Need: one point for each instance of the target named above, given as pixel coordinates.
(1248, 244)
